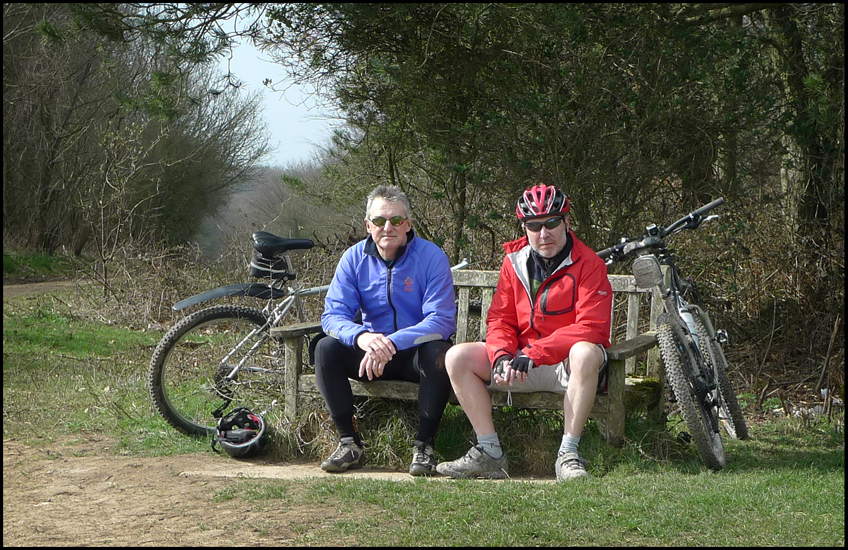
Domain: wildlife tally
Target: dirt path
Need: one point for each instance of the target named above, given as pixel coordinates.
(83, 494)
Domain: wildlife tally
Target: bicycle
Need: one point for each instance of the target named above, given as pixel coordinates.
(224, 356)
(690, 347)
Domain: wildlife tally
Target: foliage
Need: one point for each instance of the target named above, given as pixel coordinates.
(108, 141)
(28, 267)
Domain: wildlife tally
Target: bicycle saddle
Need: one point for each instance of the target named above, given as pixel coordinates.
(270, 245)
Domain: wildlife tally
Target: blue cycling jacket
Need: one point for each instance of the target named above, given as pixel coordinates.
(411, 303)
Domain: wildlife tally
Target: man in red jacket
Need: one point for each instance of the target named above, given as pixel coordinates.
(547, 330)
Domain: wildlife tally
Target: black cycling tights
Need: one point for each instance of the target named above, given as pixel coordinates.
(424, 365)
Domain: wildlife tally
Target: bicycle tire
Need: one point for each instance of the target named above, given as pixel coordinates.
(696, 417)
(186, 376)
(730, 414)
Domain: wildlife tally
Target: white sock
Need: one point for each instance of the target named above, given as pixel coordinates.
(569, 444)
(491, 445)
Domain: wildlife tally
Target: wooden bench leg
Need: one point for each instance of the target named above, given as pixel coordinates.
(656, 369)
(294, 365)
(612, 425)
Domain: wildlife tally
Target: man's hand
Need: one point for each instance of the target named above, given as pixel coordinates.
(513, 369)
(499, 368)
(522, 363)
(379, 350)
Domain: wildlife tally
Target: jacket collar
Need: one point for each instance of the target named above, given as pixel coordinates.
(371, 247)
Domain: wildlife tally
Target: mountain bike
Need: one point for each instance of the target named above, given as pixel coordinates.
(690, 347)
(224, 357)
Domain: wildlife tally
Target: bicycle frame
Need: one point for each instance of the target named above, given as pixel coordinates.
(275, 313)
(682, 323)
(646, 270)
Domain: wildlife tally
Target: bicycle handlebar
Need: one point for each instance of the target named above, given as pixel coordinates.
(654, 235)
(693, 219)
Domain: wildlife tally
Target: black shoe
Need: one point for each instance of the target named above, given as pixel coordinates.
(423, 459)
(347, 456)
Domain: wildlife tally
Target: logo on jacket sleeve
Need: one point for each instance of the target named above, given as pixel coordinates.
(407, 285)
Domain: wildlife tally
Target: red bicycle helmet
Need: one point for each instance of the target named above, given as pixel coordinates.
(541, 200)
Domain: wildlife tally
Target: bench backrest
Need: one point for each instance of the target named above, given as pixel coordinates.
(474, 290)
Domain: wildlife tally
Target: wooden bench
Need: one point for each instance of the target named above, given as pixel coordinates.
(474, 290)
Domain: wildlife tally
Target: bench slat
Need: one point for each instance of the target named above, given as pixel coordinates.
(472, 278)
(299, 329)
(634, 346)
(408, 391)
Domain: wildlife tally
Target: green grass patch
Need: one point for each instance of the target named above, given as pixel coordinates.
(65, 374)
(792, 496)
(53, 328)
(18, 264)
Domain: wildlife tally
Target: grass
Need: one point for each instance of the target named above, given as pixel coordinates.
(34, 266)
(783, 488)
(65, 373)
(730, 509)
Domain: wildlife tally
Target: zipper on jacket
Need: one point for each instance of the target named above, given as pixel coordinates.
(389, 296)
(539, 294)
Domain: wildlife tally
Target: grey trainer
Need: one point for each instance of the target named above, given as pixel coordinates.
(423, 459)
(570, 466)
(347, 456)
(475, 463)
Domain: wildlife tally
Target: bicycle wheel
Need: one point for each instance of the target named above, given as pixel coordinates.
(730, 413)
(695, 414)
(188, 377)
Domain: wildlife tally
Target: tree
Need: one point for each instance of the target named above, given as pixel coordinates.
(109, 136)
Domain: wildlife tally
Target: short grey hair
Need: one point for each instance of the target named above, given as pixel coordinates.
(389, 193)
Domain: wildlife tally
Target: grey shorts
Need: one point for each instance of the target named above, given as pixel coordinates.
(552, 378)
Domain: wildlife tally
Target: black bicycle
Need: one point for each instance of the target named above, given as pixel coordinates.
(691, 348)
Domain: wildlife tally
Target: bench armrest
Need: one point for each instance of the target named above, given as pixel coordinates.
(632, 347)
(299, 329)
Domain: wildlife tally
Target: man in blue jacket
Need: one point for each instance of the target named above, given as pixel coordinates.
(403, 286)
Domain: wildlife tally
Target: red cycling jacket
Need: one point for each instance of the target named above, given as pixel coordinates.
(574, 304)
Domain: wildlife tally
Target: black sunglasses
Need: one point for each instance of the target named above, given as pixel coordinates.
(551, 223)
(380, 221)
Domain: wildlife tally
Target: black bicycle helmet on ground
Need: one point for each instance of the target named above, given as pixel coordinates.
(241, 433)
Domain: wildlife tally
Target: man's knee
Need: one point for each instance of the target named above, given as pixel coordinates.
(456, 357)
(328, 351)
(585, 358)
(467, 358)
(432, 355)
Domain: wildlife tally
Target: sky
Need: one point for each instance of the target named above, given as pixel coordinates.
(298, 127)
